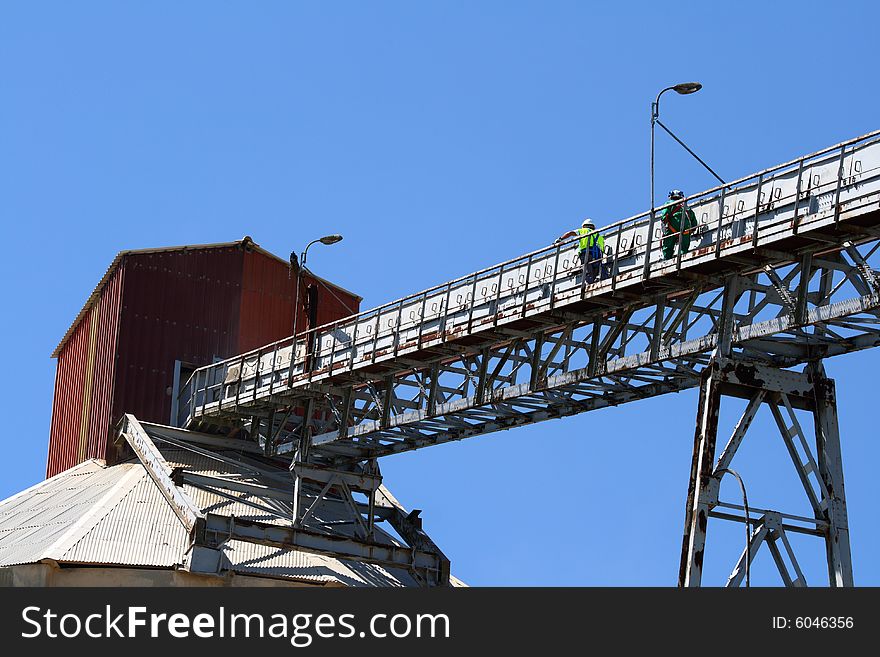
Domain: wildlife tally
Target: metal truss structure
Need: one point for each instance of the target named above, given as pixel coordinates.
(336, 523)
(779, 274)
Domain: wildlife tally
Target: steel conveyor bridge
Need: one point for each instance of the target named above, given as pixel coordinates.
(779, 274)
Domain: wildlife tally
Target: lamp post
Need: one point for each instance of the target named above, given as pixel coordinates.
(327, 239)
(684, 89)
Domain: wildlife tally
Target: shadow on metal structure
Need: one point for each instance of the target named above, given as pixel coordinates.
(335, 525)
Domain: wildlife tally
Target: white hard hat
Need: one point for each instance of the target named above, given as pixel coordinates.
(588, 223)
(676, 194)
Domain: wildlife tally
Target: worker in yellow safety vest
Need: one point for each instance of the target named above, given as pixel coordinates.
(591, 247)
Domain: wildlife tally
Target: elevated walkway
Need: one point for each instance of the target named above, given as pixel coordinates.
(778, 270)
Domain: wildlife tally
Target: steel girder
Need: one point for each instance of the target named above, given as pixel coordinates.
(819, 469)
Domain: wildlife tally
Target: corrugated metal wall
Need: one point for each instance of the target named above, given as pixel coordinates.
(192, 305)
(67, 404)
(104, 372)
(84, 383)
(266, 302)
(177, 305)
(333, 304)
(106, 359)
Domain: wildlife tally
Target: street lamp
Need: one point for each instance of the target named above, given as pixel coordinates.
(327, 239)
(684, 89)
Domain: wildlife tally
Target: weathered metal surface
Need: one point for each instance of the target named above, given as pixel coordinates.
(217, 442)
(84, 382)
(137, 530)
(266, 301)
(356, 480)
(702, 475)
(178, 305)
(91, 515)
(67, 404)
(267, 298)
(105, 367)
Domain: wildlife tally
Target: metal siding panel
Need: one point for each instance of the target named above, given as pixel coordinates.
(105, 365)
(177, 305)
(89, 379)
(333, 305)
(267, 302)
(67, 404)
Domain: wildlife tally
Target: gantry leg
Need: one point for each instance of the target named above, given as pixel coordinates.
(831, 472)
(699, 493)
(821, 475)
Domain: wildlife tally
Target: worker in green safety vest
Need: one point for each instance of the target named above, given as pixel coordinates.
(591, 248)
(675, 230)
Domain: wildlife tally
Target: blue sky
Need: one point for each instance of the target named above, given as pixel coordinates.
(439, 138)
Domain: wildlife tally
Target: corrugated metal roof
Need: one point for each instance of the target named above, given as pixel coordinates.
(245, 241)
(38, 518)
(140, 530)
(256, 559)
(93, 514)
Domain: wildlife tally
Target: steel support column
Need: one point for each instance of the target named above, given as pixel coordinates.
(821, 476)
(831, 472)
(699, 493)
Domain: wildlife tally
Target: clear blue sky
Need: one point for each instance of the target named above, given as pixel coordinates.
(439, 138)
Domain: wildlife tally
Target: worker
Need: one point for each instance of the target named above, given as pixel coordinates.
(591, 247)
(675, 230)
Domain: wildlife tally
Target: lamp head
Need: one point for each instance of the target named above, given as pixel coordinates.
(331, 239)
(686, 88)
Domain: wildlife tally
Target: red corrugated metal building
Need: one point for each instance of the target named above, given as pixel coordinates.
(154, 307)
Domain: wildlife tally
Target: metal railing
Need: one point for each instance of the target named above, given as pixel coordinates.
(772, 204)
